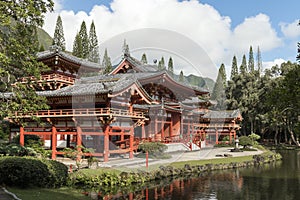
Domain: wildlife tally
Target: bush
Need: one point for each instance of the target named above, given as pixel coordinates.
(26, 171)
(245, 141)
(16, 150)
(152, 147)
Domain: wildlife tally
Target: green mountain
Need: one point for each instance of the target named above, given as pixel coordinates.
(44, 38)
(201, 82)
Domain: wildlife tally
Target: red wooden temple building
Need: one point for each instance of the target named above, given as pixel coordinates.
(112, 113)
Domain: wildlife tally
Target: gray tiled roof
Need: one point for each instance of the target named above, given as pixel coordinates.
(67, 56)
(142, 67)
(227, 114)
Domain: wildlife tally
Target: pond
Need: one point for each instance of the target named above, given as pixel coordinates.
(280, 180)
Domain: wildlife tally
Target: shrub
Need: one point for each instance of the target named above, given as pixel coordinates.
(16, 150)
(245, 141)
(26, 171)
(152, 147)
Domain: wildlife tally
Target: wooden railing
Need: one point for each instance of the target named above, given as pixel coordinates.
(98, 112)
(57, 77)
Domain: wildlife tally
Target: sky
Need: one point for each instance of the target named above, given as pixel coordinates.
(202, 34)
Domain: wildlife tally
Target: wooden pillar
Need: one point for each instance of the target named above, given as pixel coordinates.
(143, 131)
(79, 141)
(147, 194)
(217, 136)
(106, 144)
(155, 126)
(171, 128)
(162, 130)
(131, 137)
(22, 136)
(53, 142)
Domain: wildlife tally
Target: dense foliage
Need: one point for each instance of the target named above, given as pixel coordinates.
(25, 172)
(18, 47)
(269, 102)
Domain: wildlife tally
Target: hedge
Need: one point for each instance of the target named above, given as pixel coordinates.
(28, 171)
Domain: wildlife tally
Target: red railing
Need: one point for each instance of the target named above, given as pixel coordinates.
(57, 77)
(82, 112)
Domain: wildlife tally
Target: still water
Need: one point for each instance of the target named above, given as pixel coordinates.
(278, 181)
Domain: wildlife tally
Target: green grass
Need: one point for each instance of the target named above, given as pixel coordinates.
(48, 194)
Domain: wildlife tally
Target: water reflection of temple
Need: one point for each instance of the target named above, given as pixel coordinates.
(186, 189)
(112, 113)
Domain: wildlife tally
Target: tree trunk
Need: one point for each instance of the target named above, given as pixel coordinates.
(292, 136)
(276, 134)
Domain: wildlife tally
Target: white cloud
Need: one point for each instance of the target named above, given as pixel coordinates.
(202, 23)
(291, 30)
(255, 31)
(269, 64)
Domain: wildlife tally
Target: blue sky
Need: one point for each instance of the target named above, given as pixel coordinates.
(222, 27)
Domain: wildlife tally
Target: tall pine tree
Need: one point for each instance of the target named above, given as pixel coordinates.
(84, 40)
(144, 59)
(161, 64)
(93, 45)
(243, 67)
(251, 60)
(259, 62)
(298, 56)
(106, 63)
(234, 68)
(77, 46)
(170, 65)
(59, 38)
(218, 92)
(181, 77)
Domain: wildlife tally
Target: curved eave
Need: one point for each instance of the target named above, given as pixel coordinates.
(70, 59)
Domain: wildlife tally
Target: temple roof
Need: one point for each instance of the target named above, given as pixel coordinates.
(227, 114)
(137, 66)
(54, 51)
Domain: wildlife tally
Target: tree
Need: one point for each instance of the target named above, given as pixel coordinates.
(106, 63)
(144, 59)
(218, 92)
(234, 68)
(259, 62)
(18, 49)
(161, 64)
(126, 51)
(84, 40)
(93, 55)
(77, 47)
(181, 77)
(170, 65)
(251, 61)
(243, 67)
(298, 56)
(59, 38)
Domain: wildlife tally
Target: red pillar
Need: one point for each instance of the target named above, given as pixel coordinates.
(79, 141)
(106, 143)
(21, 135)
(143, 131)
(217, 137)
(53, 142)
(162, 130)
(131, 143)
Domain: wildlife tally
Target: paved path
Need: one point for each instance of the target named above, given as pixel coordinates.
(203, 154)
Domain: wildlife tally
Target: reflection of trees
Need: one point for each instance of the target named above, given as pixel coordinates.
(274, 181)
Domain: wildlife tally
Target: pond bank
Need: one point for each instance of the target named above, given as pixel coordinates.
(183, 166)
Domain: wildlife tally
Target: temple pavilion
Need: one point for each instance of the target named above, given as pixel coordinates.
(113, 113)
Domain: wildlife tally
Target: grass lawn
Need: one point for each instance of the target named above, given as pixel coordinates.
(48, 194)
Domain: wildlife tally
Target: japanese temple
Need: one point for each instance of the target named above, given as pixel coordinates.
(113, 113)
